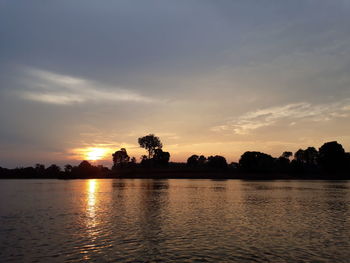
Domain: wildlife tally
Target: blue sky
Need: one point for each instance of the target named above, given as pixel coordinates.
(207, 77)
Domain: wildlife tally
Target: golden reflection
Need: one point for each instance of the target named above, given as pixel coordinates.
(91, 198)
(94, 222)
(91, 221)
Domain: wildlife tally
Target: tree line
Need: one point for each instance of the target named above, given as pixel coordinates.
(330, 158)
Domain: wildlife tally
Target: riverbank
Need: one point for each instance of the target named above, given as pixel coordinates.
(187, 174)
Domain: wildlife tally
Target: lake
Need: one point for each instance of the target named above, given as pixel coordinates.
(131, 220)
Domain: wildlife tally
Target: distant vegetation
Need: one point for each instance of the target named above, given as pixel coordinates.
(330, 161)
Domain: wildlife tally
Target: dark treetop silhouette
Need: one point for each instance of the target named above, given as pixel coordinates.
(120, 158)
(150, 143)
(329, 162)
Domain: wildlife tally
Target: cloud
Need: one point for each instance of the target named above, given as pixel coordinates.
(254, 120)
(52, 88)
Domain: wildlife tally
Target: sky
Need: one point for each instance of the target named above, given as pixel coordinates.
(208, 77)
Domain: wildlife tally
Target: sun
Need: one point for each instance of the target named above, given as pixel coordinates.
(94, 154)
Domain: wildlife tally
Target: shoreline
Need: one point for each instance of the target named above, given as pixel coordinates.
(210, 175)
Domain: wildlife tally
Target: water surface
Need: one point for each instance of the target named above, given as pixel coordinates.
(174, 221)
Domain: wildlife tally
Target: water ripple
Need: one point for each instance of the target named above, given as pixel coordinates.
(174, 221)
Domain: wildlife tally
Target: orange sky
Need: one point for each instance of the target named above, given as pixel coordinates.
(207, 77)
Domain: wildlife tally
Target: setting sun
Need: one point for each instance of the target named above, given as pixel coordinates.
(94, 154)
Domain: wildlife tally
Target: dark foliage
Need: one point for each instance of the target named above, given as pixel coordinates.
(217, 162)
(120, 158)
(256, 162)
(305, 161)
(192, 161)
(161, 158)
(196, 161)
(282, 164)
(332, 157)
(86, 170)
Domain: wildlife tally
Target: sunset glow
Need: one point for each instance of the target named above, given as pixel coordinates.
(243, 76)
(94, 154)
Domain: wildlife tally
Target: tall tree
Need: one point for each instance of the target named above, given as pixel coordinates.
(150, 143)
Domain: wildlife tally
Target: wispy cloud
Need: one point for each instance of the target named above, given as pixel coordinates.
(49, 87)
(292, 112)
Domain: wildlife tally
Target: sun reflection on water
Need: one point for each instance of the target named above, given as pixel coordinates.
(91, 198)
(91, 221)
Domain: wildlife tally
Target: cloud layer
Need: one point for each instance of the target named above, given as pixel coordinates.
(292, 113)
(49, 87)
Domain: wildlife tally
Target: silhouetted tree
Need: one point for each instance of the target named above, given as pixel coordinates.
(101, 170)
(161, 158)
(120, 158)
(233, 165)
(53, 170)
(308, 156)
(192, 161)
(40, 169)
(145, 162)
(256, 162)
(332, 157)
(217, 162)
(20, 172)
(283, 162)
(196, 161)
(311, 156)
(287, 155)
(202, 160)
(305, 160)
(150, 143)
(68, 168)
(84, 165)
(299, 156)
(86, 170)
